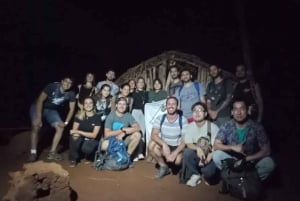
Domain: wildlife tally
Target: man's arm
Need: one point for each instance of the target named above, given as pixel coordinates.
(108, 133)
(71, 112)
(155, 137)
(264, 151)
(134, 128)
(218, 145)
(179, 148)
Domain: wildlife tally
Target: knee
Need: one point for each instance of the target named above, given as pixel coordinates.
(187, 153)
(266, 165)
(217, 158)
(136, 136)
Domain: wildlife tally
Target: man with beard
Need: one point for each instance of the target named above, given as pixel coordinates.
(189, 93)
(249, 90)
(196, 162)
(245, 139)
(218, 94)
(167, 138)
(174, 82)
(110, 76)
(121, 125)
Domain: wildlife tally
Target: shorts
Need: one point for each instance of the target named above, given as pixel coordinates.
(51, 116)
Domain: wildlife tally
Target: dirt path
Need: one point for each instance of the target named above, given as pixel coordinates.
(134, 184)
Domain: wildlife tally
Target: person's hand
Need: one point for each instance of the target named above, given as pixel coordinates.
(37, 122)
(238, 148)
(171, 157)
(200, 154)
(208, 158)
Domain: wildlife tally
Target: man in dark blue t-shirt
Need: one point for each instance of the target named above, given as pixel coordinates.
(48, 105)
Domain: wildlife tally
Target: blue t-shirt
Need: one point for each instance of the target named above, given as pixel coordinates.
(56, 99)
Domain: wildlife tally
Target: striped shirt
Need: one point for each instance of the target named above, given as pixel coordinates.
(170, 132)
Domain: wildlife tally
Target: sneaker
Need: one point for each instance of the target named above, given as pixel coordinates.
(141, 157)
(163, 171)
(194, 180)
(73, 164)
(32, 158)
(54, 156)
(86, 161)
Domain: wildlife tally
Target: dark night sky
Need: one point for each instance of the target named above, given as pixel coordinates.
(41, 40)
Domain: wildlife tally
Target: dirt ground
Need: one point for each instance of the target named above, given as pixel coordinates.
(134, 184)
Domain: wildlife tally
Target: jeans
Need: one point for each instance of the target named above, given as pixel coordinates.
(191, 161)
(79, 146)
(264, 166)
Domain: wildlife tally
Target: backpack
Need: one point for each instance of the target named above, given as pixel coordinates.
(164, 117)
(196, 85)
(115, 158)
(240, 179)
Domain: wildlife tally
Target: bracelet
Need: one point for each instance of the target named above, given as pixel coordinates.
(66, 123)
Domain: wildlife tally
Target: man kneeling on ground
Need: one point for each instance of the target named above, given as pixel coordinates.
(167, 136)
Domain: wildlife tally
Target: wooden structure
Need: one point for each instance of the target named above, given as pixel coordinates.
(158, 67)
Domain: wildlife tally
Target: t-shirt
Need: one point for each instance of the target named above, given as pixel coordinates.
(188, 96)
(170, 132)
(243, 92)
(56, 99)
(157, 96)
(193, 132)
(115, 122)
(217, 94)
(88, 123)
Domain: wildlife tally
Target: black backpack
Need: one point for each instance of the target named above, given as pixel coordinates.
(240, 179)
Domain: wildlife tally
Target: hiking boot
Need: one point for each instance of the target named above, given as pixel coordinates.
(54, 156)
(194, 180)
(32, 157)
(163, 171)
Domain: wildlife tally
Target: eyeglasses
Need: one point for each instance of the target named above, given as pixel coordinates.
(198, 111)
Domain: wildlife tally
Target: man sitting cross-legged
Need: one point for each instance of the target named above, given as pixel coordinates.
(167, 136)
(122, 125)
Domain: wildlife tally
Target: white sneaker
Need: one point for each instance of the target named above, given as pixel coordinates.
(141, 157)
(194, 180)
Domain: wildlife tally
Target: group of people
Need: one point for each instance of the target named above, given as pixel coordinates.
(226, 113)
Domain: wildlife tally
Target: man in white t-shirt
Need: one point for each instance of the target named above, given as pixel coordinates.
(195, 161)
(167, 136)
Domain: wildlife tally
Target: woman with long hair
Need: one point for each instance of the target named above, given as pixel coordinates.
(124, 92)
(87, 88)
(86, 127)
(103, 101)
